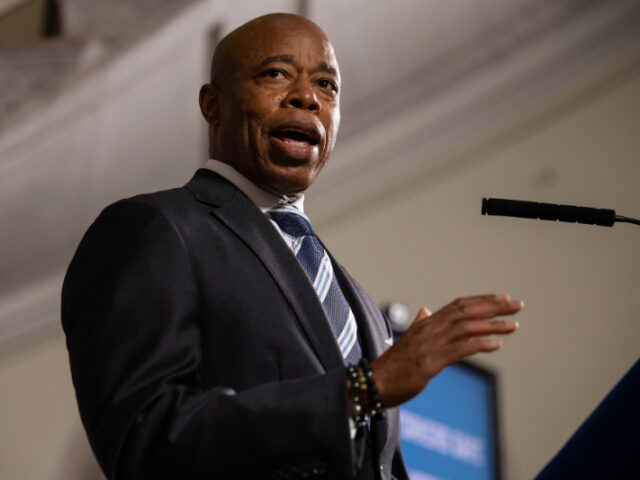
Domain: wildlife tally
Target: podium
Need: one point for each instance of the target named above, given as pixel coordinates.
(607, 444)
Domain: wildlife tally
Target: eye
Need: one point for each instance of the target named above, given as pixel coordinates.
(275, 74)
(324, 83)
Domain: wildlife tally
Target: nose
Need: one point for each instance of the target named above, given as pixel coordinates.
(303, 96)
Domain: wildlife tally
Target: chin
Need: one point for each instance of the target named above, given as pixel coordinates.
(287, 185)
(289, 188)
(290, 179)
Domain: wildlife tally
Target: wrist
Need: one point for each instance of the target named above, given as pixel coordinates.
(364, 399)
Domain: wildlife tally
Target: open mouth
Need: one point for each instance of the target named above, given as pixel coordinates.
(297, 137)
(297, 141)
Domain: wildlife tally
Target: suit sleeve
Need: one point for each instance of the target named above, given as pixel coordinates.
(130, 311)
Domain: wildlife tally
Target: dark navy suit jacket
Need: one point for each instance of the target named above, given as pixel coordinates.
(199, 348)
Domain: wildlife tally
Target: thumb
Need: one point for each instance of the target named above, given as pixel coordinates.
(423, 313)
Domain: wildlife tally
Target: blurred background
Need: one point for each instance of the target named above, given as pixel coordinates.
(443, 103)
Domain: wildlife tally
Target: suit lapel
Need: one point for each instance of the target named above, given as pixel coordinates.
(251, 226)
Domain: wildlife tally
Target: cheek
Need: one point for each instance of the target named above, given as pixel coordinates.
(260, 104)
(332, 130)
(256, 112)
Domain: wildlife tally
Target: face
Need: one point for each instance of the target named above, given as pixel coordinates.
(276, 117)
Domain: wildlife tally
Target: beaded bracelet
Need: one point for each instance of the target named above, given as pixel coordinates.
(364, 393)
(374, 405)
(356, 375)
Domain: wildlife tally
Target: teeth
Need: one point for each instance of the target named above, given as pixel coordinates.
(296, 143)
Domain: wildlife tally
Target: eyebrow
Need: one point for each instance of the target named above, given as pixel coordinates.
(327, 68)
(291, 59)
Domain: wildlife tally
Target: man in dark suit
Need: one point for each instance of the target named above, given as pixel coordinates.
(200, 344)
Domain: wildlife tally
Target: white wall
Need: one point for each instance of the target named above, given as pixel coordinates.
(41, 435)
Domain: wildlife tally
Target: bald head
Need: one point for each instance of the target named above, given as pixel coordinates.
(273, 102)
(244, 40)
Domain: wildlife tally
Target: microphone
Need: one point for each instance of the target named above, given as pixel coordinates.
(551, 211)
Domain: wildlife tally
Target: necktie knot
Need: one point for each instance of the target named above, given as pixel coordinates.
(291, 221)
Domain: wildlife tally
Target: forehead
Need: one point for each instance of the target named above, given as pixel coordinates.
(306, 43)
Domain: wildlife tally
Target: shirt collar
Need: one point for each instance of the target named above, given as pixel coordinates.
(263, 200)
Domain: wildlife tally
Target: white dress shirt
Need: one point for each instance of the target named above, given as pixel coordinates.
(263, 200)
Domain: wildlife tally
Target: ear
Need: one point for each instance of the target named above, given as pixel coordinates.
(209, 103)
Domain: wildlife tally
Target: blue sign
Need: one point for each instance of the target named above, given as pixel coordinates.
(448, 431)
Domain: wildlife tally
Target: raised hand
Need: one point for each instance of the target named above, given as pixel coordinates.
(436, 340)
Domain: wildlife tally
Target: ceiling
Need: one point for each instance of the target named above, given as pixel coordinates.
(379, 42)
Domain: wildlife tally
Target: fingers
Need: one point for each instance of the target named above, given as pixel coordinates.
(479, 328)
(483, 306)
(480, 307)
(461, 350)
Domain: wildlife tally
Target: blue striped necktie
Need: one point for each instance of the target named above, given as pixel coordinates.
(316, 263)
